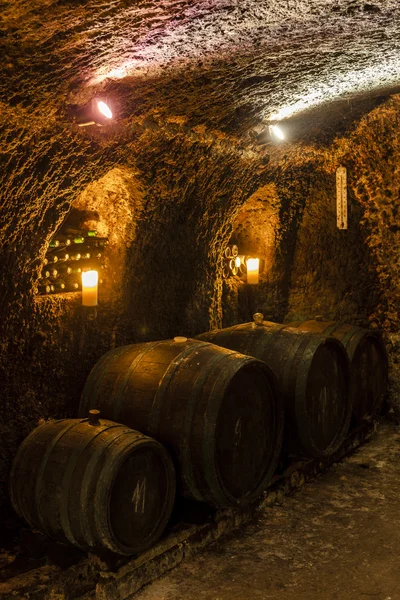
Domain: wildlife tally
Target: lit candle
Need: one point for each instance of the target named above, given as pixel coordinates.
(252, 270)
(90, 281)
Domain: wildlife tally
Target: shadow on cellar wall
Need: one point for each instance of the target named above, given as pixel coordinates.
(256, 232)
(44, 376)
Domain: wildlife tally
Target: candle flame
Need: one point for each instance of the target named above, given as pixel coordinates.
(253, 265)
(90, 278)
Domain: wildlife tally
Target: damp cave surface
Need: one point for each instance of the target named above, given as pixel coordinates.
(185, 168)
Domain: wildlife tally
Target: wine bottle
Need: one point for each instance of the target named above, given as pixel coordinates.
(72, 270)
(62, 257)
(44, 288)
(65, 240)
(50, 258)
(59, 286)
(101, 242)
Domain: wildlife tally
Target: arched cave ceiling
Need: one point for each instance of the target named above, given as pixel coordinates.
(228, 64)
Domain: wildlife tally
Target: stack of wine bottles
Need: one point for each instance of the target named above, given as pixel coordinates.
(68, 254)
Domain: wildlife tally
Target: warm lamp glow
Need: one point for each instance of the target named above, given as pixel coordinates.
(90, 280)
(94, 112)
(253, 266)
(104, 109)
(276, 132)
(238, 262)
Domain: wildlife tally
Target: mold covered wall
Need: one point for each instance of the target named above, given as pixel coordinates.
(348, 275)
(353, 275)
(171, 198)
(175, 178)
(165, 199)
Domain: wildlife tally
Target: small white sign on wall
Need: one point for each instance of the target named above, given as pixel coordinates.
(341, 198)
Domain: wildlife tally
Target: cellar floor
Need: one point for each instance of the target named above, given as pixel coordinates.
(336, 538)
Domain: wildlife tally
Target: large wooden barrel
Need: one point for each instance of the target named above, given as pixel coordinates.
(98, 485)
(313, 375)
(368, 363)
(216, 411)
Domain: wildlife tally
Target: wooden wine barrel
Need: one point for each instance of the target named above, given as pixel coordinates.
(368, 363)
(216, 411)
(313, 375)
(98, 486)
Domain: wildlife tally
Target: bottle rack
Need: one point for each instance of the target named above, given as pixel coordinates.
(69, 254)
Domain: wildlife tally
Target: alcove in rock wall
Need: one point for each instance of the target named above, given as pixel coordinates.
(170, 198)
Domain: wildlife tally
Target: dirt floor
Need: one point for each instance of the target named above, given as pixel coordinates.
(337, 538)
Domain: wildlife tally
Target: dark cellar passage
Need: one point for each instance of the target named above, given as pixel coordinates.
(170, 168)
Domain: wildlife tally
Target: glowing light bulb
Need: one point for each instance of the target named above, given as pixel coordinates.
(104, 109)
(238, 262)
(276, 132)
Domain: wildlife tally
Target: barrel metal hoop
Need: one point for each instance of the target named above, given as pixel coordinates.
(351, 340)
(187, 462)
(93, 382)
(87, 532)
(301, 379)
(265, 338)
(104, 497)
(295, 355)
(215, 399)
(330, 329)
(301, 356)
(76, 454)
(14, 475)
(118, 393)
(346, 414)
(173, 367)
(39, 480)
(347, 338)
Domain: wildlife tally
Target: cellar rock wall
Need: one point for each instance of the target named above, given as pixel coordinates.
(184, 169)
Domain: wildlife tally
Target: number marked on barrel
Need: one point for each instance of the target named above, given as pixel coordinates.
(139, 496)
(238, 430)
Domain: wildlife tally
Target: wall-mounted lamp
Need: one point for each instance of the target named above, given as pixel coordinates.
(233, 263)
(94, 112)
(276, 132)
(253, 268)
(90, 282)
